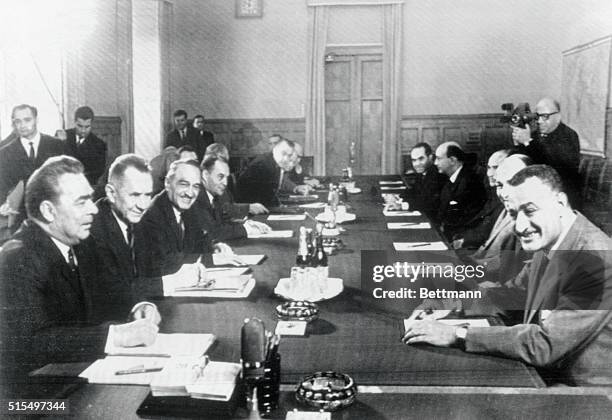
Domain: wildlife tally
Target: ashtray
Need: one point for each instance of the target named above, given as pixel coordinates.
(298, 310)
(329, 391)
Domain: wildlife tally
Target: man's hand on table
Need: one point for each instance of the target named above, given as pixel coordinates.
(432, 332)
(135, 333)
(302, 189)
(258, 208)
(254, 228)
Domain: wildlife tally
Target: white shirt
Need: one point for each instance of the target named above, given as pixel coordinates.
(64, 249)
(177, 215)
(210, 197)
(26, 144)
(123, 226)
(455, 174)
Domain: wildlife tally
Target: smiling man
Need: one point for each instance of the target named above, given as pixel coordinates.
(170, 233)
(129, 192)
(567, 324)
(48, 271)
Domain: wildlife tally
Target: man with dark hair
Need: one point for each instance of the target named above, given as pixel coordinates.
(22, 155)
(464, 193)
(84, 145)
(554, 144)
(182, 133)
(186, 152)
(477, 229)
(170, 231)
(567, 325)
(129, 192)
(425, 184)
(263, 180)
(209, 205)
(203, 138)
(48, 269)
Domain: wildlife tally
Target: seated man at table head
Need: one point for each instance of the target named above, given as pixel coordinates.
(567, 326)
(464, 193)
(297, 175)
(209, 205)
(425, 184)
(478, 228)
(48, 269)
(170, 233)
(264, 179)
(233, 209)
(129, 192)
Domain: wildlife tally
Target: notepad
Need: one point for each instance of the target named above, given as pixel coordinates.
(395, 187)
(391, 182)
(408, 225)
(288, 217)
(472, 322)
(166, 345)
(395, 213)
(239, 260)
(224, 287)
(420, 246)
(274, 234)
(291, 328)
(104, 371)
(318, 205)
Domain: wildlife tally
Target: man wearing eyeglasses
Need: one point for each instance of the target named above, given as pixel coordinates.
(554, 144)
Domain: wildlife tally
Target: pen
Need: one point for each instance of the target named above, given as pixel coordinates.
(423, 244)
(141, 370)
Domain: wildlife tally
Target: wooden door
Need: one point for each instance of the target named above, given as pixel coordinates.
(353, 113)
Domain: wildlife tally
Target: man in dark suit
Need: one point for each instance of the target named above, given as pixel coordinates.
(129, 192)
(203, 139)
(170, 233)
(209, 205)
(48, 271)
(464, 193)
(567, 325)
(85, 145)
(478, 228)
(265, 179)
(24, 153)
(182, 133)
(425, 184)
(554, 144)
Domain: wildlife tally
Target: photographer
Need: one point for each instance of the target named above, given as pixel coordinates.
(554, 144)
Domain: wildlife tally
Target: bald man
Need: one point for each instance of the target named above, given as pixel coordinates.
(554, 144)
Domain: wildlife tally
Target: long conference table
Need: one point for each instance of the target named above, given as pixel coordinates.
(355, 336)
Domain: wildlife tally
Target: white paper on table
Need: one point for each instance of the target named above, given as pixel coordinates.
(166, 345)
(221, 259)
(408, 225)
(475, 322)
(307, 415)
(291, 328)
(420, 246)
(103, 371)
(225, 287)
(398, 187)
(391, 182)
(318, 205)
(393, 213)
(288, 217)
(274, 234)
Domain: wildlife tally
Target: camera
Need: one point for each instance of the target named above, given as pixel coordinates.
(521, 116)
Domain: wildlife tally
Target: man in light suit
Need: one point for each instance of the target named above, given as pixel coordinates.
(567, 325)
(84, 145)
(23, 154)
(464, 193)
(209, 207)
(48, 270)
(129, 192)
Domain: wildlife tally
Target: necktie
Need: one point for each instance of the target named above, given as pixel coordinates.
(72, 261)
(130, 242)
(32, 154)
(181, 230)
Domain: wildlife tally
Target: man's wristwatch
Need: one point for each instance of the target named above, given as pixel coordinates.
(460, 334)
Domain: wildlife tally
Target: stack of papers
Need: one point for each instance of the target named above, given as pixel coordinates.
(237, 260)
(393, 187)
(391, 182)
(109, 370)
(474, 322)
(166, 345)
(224, 286)
(408, 225)
(274, 234)
(318, 205)
(188, 376)
(394, 213)
(420, 246)
(288, 217)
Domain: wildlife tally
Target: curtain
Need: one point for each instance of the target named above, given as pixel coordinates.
(392, 37)
(315, 101)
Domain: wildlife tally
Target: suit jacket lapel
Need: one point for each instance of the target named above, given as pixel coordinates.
(500, 225)
(171, 219)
